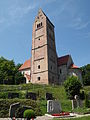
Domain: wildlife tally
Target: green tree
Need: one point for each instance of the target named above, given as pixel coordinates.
(86, 74)
(7, 70)
(19, 78)
(72, 86)
(9, 73)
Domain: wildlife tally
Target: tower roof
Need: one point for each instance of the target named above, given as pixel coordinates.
(41, 11)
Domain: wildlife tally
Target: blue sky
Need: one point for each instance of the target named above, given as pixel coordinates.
(72, 28)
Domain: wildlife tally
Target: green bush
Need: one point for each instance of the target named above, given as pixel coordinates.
(3, 95)
(29, 114)
(87, 102)
(72, 86)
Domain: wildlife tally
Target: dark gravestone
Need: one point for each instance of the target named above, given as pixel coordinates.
(31, 95)
(20, 111)
(89, 96)
(49, 96)
(13, 108)
(82, 95)
(13, 95)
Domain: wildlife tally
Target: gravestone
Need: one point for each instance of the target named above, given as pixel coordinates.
(76, 102)
(82, 95)
(31, 95)
(53, 106)
(89, 96)
(13, 108)
(27, 107)
(49, 96)
(13, 95)
(22, 110)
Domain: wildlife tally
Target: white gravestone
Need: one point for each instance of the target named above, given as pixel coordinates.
(76, 102)
(53, 106)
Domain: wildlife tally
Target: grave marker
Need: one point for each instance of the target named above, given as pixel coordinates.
(13, 108)
(53, 106)
(31, 95)
(13, 95)
(49, 96)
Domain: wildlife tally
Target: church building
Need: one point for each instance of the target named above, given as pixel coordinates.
(44, 66)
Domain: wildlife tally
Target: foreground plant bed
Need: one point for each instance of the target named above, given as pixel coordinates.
(61, 114)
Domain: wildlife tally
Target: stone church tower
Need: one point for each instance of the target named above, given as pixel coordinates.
(44, 57)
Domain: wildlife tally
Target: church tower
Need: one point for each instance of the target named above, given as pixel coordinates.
(44, 57)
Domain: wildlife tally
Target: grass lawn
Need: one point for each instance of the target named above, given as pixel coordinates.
(82, 118)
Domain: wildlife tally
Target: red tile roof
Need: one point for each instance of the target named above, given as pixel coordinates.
(63, 60)
(74, 66)
(26, 65)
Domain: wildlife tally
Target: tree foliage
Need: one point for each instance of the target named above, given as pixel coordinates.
(72, 86)
(19, 78)
(86, 74)
(9, 71)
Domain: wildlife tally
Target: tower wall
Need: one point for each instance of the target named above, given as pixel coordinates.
(44, 58)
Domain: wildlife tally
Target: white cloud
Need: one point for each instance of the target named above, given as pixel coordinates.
(13, 13)
(19, 12)
(83, 25)
(79, 23)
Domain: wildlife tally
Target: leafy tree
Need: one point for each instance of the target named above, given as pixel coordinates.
(72, 86)
(9, 72)
(17, 67)
(19, 78)
(86, 74)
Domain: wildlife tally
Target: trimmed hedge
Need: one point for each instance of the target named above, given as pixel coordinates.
(5, 105)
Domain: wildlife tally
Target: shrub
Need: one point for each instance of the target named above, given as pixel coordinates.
(72, 86)
(87, 102)
(29, 114)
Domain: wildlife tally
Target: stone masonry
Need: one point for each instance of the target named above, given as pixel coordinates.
(44, 58)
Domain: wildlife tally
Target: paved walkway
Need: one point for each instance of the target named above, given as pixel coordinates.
(38, 118)
(45, 117)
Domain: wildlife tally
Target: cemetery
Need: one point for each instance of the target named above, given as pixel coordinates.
(43, 99)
